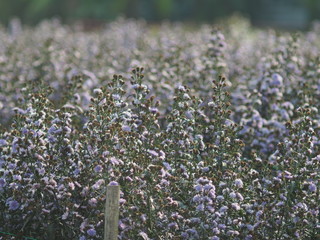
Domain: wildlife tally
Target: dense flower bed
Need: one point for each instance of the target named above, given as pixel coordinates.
(216, 138)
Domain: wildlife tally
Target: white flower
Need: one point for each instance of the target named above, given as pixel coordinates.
(97, 91)
(186, 96)
(235, 206)
(211, 104)
(182, 88)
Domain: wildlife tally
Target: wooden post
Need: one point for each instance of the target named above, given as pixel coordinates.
(111, 218)
(51, 232)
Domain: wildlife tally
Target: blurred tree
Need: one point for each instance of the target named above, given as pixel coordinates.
(99, 9)
(10, 9)
(164, 8)
(40, 9)
(314, 8)
(280, 13)
(32, 11)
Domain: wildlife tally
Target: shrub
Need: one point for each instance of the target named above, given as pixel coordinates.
(217, 141)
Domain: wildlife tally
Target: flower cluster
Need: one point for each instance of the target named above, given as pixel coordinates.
(217, 137)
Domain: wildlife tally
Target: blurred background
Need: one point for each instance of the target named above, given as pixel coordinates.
(290, 14)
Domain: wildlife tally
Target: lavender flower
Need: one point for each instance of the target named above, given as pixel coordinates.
(126, 128)
(91, 232)
(197, 155)
(2, 182)
(153, 153)
(312, 187)
(13, 205)
(98, 168)
(238, 183)
(3, 142)
(98, 184)
(277, 80)
(113, 183)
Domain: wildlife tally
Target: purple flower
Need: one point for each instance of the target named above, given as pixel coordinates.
(167, 165)
(189, 114)
(212, 193)
(232, 195)
(196, 198)
(52, 129)
(154, 110)
(312, 187)
(192, 231)
(250, 227)
(223, 209)
(240, 197)
(122, 226)
(126, 128)
(91, 232)
(65, 215)
(235, 206)
(52, 182)
(76, 171)
(41, 171)
(195, 220)
(277, 80)
(36, 185)
(98, 184)
(113, 183)
(200, 207)
(52, 139)
(205, 169)
(220, 198)
(222, 226)
(211, 209)
(116, 96)
(11, 166)
(2, 182)
(238, 182)
(162, 155)
(184, 235)
(3, 142)
(17, 177)
(114, 161)
(164, 182)
(153, 153)
(215, 238)
(71, 185)
(198, 188)
(173, 225)
(13, 205)
(208, 187)
(98, 168)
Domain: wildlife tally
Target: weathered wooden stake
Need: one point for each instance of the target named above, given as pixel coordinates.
(112, 213)
(51, 232)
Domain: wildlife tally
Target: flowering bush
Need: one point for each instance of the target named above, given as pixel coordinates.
(220, 139)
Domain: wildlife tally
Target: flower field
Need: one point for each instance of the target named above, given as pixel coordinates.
(211, 133)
